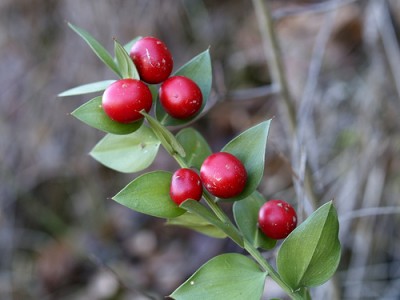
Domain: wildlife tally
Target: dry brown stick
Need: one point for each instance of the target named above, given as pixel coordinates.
(273, 53)
(321, 7)
(387, 31)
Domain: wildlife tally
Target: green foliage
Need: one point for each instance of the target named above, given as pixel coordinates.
(228, 276)
(246, 218)
(142, 196)
(311, 253)
(93, 115)
(199, 70)
(129, 153)
(167, 139)
(250, 147)
(88, 88)
(97, 48)
(197, 223)
(201, 211)
(309, 256)
(195, 146)
(124, 61)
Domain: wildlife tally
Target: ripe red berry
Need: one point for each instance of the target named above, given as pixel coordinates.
(277, 219)
(223, 175)
(152, 59)
(124, 99)
(185, 184)
(181, 97)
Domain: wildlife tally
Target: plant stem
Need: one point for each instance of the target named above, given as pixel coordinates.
(181, 162)
(275, 62)
(272, 50)
(246, 244)
(251, 249)
(271, 272)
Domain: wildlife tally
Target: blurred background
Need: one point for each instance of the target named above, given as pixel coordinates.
(61, 235)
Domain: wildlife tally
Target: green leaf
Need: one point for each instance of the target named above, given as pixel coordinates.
(197, 223)
(93, 114)
(88, 88)
(200, 210)
(127, 153)
(310, 255)
(250, 148)
(228, 276)
(195, 146)
(129, 45)
(199, 70)
(149, 194)
(154, 91)
(97, 48)
(246, 217)
(124, 61)
(167, 139)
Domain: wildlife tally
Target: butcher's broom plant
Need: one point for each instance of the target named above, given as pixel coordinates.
(136, 110)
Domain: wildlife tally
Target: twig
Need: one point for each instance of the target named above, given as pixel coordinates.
(307, 105)
(368, 212)
(310, 9)
(273, 53)
(389, 39)
(252, 93)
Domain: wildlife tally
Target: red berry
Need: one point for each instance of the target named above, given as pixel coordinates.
(223, 175)
(181, 97)
(124, 99)
(277, 219)
(152, 60)
(185, 184)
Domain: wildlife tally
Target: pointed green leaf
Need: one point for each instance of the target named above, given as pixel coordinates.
(93, 114)
(228, 276)
(194, 222)
(246, 218)
(124, 61)
(129, 153)
(88, 88)
(97, 48)
(167, 139)
(199, 70)
(149, 194)
(128, 46)
(195, 146)
(200, 210)
(310, 255)
(250, 148)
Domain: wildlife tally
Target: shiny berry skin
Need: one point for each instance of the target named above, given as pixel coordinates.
(223, 175)
(124, 99)
(180, 97)
(185, 184)
(277, 219)
(152, 60)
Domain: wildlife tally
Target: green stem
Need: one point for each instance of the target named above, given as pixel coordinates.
(251, 249)
(271, 272)
(181, 162)
(247, 245)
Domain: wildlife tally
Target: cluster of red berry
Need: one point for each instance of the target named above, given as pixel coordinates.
(180, 96)
(222, 174)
